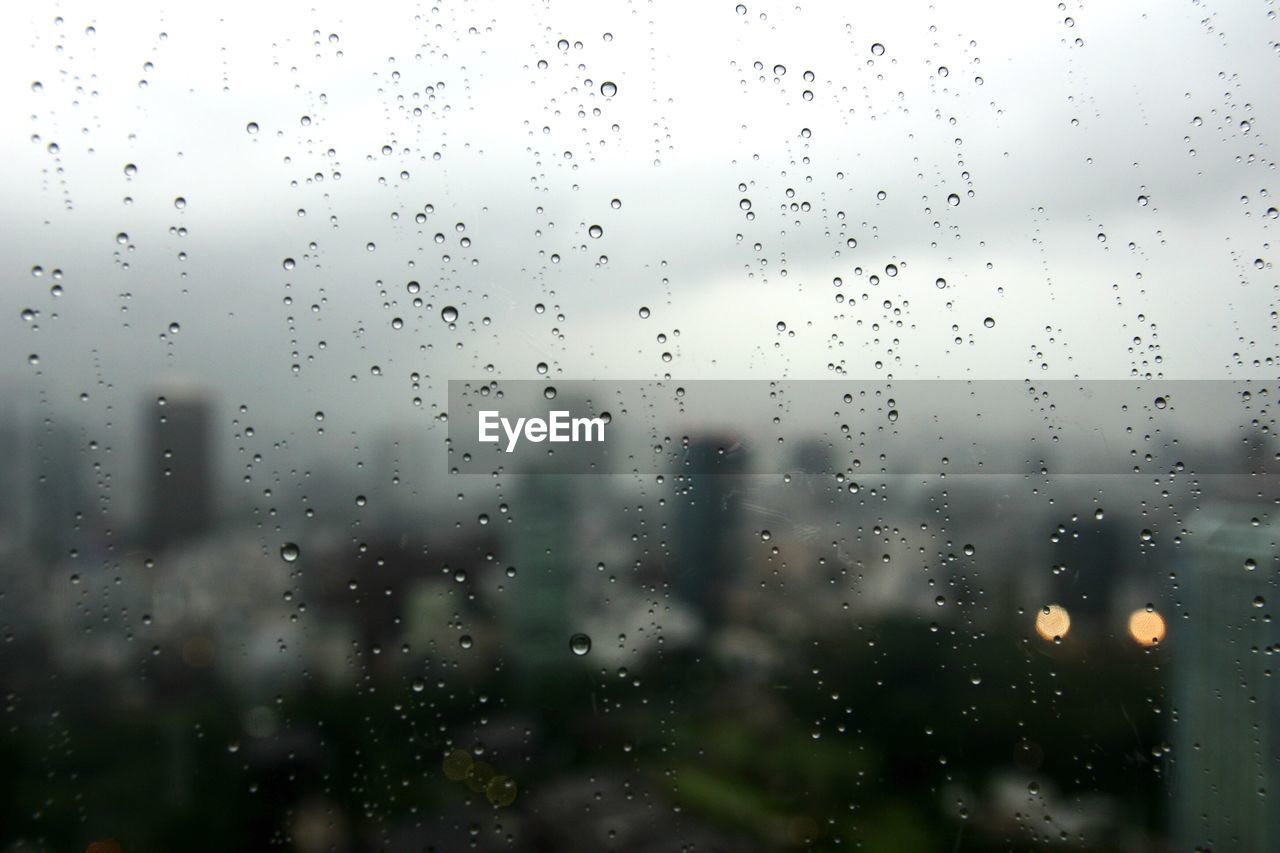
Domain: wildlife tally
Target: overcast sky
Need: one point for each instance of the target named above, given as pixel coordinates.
(1050, 125)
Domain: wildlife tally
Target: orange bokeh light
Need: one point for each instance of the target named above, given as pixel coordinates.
(1146, 627)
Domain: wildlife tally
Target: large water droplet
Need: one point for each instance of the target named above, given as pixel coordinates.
(579, 644)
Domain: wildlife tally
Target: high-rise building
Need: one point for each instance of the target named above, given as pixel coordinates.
(1226, 730)
(542, 546)
(57, 495)
(11, 490)
(178, 478)
(707, 557)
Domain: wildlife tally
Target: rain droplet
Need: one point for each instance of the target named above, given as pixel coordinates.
(449, 314)
(289, 552)
(608, 89)
(877, 49)
(579, 644)
(990, 322)
(596, 231)
(953, 200)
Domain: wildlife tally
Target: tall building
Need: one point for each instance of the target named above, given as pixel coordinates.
(178, 473)
(542, 546)
(707, 556)
(1226, 737)
(11, 490)
(57, 496)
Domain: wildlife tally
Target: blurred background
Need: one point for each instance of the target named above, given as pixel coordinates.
(248, 601)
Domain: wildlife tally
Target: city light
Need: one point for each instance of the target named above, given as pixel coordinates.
(1146, 627)
(1053, 622)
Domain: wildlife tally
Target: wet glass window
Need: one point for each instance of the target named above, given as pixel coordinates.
(639, 426)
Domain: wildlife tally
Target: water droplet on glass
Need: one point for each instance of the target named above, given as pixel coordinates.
(596, 231)
(877, 49)
(289, 552)
(608, 89)
(449, 314)
(579, 644)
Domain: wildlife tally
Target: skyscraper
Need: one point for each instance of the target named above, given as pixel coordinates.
(57, 495)
(1226, 756)
(707, 556)
(178, 467)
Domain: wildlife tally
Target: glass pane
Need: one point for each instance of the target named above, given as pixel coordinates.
(642, 426)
